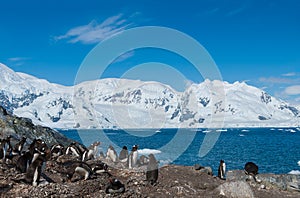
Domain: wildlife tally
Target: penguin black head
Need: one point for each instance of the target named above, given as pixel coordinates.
(135, 147)
(8, 138)
(96, 143)
(125, 147)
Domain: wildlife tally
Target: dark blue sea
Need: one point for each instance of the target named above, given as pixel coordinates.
(274, 150)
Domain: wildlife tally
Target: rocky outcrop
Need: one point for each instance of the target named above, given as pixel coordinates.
(281, 181)
(236, 189)
(18, 127)
(278, 181)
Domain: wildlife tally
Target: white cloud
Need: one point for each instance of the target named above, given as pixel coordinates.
(17, 59)
(292, 90)
(275, 80)
(289, 74)
(93, 32)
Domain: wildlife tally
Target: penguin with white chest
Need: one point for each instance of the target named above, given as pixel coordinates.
(152, 170)
(57, 150)
(133, 157)
(77, 168)
(72, 149)
(114, 186)
(19, 146)
(111, 154)
(5, 148)
(123, 157)
(34, 171)
(91, 152)
(251, 169)
(222, 170)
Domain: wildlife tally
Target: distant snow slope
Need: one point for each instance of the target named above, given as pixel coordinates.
(121, 103)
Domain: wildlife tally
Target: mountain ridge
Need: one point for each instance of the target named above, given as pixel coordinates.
(124, 103)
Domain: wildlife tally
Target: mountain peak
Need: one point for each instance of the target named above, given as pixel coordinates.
(7, 75)
(114, 103)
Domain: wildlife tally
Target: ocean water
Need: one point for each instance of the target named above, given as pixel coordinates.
(274, 150)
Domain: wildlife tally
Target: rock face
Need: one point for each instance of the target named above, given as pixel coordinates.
(236, 189)
(280, 181)
(18, 127)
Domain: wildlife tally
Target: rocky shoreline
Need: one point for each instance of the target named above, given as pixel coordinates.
(173, 180)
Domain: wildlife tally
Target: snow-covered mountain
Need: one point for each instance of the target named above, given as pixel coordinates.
(122, 103)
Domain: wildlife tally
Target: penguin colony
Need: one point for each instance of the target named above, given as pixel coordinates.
(30, 158)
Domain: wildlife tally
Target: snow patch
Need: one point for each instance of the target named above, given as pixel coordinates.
(147, 151)
(294, 172)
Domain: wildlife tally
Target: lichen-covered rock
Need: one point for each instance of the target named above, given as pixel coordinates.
(281, 181)
(236, 189)
(236, 175)
(18, 127)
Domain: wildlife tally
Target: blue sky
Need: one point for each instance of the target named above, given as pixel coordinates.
(252, 40)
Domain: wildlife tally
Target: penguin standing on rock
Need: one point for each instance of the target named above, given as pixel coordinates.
(34, 171)
(251, 169)
(5, 148)
(2, 149)
(152, 170)
(222, 170)
(123, 157)
(112, 154)
(91, 152)
(19, 146)
(23, 161)
(133, 157)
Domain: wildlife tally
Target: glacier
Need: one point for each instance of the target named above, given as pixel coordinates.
(127, 104)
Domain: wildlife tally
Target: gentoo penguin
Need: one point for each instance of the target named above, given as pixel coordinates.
(98, 167)
(81, 168)
(57, 150)
(26, 157)
(152, 170)
(251, 169)
(91, 152)
(114, 186)
(72, 149)
(111, 154)
(19, 146)
(102, 156)
(34, 171)
(23, 161)
(123, 157)
(222, 169)
(133, 157)
(5, 148)
(2, 149)
(144, 160)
